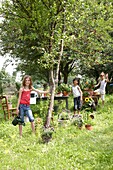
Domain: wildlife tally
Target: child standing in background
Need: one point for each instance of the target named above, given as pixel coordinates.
(102, 89)
(23, 105)
(77, 94)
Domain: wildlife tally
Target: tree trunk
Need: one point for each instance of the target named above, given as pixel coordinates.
(51, 101)
(52, 88)
(52, 79)
(65, 78)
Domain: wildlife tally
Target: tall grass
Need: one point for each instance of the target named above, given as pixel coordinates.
(70, 148)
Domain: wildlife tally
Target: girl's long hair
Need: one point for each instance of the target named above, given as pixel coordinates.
(24, 81)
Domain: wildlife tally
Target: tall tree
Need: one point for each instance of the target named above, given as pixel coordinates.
(35, 32)
(39, 30)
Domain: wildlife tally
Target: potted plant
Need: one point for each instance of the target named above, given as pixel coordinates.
(89, 87)
(78, 121)
(88, 119)
(64, 88)
(63, 118)
(89, 103)
(59, 89)
(88, 125)
(47, 134)
(85, 94)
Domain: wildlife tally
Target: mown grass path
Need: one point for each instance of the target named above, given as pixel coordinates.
(70, 148)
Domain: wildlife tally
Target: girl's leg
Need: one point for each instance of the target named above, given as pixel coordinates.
(31, 119)
(78, 111)
(21, 114)
(74, 112)
(78, 104)
(20, 130)
(102, 102)
(75, 105)
(33, 127)
(103, 99)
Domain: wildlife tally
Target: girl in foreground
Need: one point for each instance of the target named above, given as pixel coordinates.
(23, 105)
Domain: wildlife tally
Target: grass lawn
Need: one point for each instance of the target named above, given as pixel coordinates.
(70, 148)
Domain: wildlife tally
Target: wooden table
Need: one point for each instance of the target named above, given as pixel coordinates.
(55, 98)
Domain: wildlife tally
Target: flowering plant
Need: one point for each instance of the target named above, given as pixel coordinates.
(89, 104)
(88, 101)
(89, 84)
(78, 121)
(64, 87)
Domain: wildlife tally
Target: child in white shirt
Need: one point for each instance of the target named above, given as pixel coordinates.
(77, 94)
(102, 89)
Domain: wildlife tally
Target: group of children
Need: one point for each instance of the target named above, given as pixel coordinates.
(23, 105)
(77, 92)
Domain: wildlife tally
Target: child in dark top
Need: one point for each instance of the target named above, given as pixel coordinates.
(23, 105)
(77, 94)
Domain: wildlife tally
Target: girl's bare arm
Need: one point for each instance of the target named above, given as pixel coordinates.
(107, 79)
(20, 93)
(97, 84)
(39, 91)
(81, 94)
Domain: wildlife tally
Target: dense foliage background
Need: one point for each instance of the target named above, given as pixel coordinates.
(32, 31)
